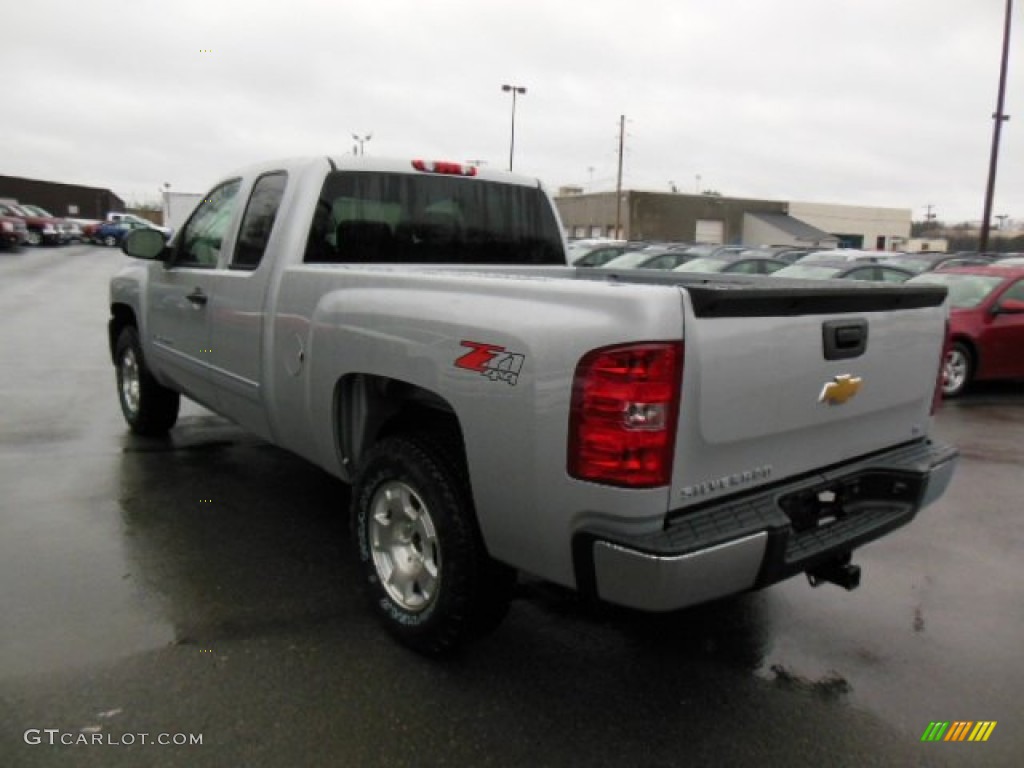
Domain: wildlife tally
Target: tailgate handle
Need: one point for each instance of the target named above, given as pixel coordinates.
(843, 339)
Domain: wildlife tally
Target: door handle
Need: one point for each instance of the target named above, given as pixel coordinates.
(197, 298)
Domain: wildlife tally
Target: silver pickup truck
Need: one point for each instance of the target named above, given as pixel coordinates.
(651, 440)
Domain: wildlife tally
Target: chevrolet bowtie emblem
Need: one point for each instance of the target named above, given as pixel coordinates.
(841, 389)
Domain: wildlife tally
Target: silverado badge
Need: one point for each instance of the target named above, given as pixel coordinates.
(840, 389)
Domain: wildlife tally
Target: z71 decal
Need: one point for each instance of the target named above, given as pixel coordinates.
(491, 361)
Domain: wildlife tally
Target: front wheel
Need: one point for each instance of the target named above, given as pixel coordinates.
(34, 238)
(110, 241)
(149, 408)
(957, 370)
(427, 573)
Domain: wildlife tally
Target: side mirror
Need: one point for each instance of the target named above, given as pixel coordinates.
(1009, 307)
(144, 244)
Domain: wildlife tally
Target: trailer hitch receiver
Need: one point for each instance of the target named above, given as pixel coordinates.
(838, 571)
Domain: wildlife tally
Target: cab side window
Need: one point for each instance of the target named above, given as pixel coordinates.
(258, 220)
(204, 233)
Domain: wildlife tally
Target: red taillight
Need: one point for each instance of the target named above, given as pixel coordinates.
(441, 166)
(946, 347)
(625, 403)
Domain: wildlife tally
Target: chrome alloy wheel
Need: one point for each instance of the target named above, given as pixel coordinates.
(130, 381)
(404, 544)
(954, 371)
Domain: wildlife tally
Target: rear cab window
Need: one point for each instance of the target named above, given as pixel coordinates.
(377, 217)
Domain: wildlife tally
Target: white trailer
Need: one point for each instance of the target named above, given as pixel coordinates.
(178, 206)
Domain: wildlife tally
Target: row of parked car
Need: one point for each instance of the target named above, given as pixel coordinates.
(24, 224)
(21, 223)
(986, 291)
(782, 261)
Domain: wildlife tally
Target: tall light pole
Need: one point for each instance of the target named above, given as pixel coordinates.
(999, 117)
(361, 140)
(618, 181)
(515, 89)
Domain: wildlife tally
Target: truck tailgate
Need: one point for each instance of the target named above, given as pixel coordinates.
(778, 383)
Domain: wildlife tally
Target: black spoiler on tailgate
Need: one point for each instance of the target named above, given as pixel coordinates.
(761, 296)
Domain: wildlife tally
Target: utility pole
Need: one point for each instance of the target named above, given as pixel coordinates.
(929, 216)
(999, 117)
(618, 182)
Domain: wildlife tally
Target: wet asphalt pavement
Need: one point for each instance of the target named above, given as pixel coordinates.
(203, 586)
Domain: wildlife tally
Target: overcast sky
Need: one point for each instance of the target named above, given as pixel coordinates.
(868, 102)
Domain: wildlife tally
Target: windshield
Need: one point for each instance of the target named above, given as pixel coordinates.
(627, 260)
(17, 210)
(37, 211)
(373, 217)
(965, 291)
(703, 265)
(914, 265)
(808, 271)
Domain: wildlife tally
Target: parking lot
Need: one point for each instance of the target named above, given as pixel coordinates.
(204, 586)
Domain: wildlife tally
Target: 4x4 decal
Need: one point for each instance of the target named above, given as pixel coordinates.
(491, 361)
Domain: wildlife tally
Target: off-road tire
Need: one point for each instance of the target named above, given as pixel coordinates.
(401, 479)
(149, 408)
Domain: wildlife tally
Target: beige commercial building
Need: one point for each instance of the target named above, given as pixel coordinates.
(716, 219)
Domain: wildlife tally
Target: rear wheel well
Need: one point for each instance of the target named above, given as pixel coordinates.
(369, 408)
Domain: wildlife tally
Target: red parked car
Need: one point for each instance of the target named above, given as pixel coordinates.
(13, 231)
(41, 229)
(986, 324)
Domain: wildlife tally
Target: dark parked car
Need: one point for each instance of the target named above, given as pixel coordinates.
(986, 324)
(846, 270)
(732, 261)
